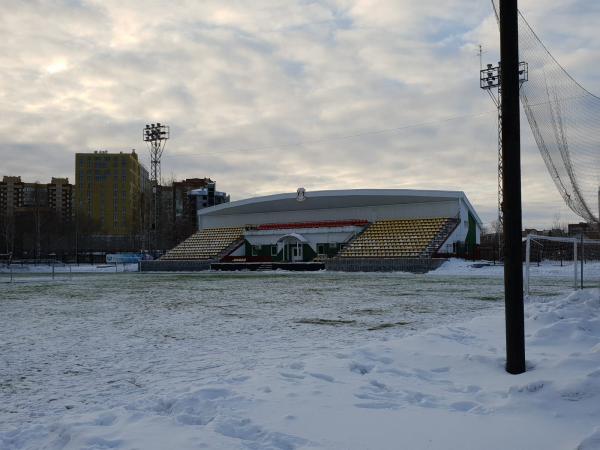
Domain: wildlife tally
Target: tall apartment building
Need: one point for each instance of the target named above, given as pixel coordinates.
(11, 195)
(17, 196)
(111, 191)
(60, 198)
(35, 218)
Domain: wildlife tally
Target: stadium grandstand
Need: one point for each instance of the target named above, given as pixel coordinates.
(359, 229)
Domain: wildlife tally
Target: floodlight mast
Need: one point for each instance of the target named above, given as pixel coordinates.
(155, 135)
(490, 81)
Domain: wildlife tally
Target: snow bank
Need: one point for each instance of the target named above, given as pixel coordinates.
(459, 267)
(445, 388)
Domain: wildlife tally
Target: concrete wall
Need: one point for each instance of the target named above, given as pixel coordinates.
(173, 266)
(413, 265)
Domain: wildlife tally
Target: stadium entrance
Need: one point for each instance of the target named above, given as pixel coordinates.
(292, 247)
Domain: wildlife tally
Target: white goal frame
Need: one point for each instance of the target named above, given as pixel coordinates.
(535, 238)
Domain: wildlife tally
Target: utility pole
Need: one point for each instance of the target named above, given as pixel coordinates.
(490, 81)
(511, 187)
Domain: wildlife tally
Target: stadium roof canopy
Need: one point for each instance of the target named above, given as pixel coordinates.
(348, 198)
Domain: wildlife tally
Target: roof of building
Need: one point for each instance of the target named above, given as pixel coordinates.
(347, 198)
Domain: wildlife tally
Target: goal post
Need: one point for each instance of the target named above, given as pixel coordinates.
(538, 239)
(549, 250)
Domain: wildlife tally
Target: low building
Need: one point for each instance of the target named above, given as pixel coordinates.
(590, 230)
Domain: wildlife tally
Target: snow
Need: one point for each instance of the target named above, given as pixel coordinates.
(455, 266)
(225, 364)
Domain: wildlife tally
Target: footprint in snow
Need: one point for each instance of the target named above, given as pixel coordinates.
(323, 376)
(194, 419)
(98, 442)
(531, 388)
(463, 406)
(377, 405)
(420, 399)
(255, 436)
(105, 420)
(360, 368)
(378, 385)
(291, 376)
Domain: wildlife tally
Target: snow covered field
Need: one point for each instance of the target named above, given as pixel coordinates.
(291, 361)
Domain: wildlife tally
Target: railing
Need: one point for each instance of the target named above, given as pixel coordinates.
(318, 224)
(9, 272)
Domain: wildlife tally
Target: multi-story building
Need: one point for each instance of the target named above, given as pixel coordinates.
(187, 197)
(21, 197)
(60, 198)
(35, 217)
(111, 191)
(184, 202)
(11, 195)
(209, 196)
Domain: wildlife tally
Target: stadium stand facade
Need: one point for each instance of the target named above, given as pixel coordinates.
(360, 228)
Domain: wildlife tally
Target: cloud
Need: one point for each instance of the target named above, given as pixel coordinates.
(268, 96)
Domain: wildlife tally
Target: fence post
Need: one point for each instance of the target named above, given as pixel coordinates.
(575, 263)
(582, 256)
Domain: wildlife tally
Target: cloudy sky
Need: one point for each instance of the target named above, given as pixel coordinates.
(266, 96)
